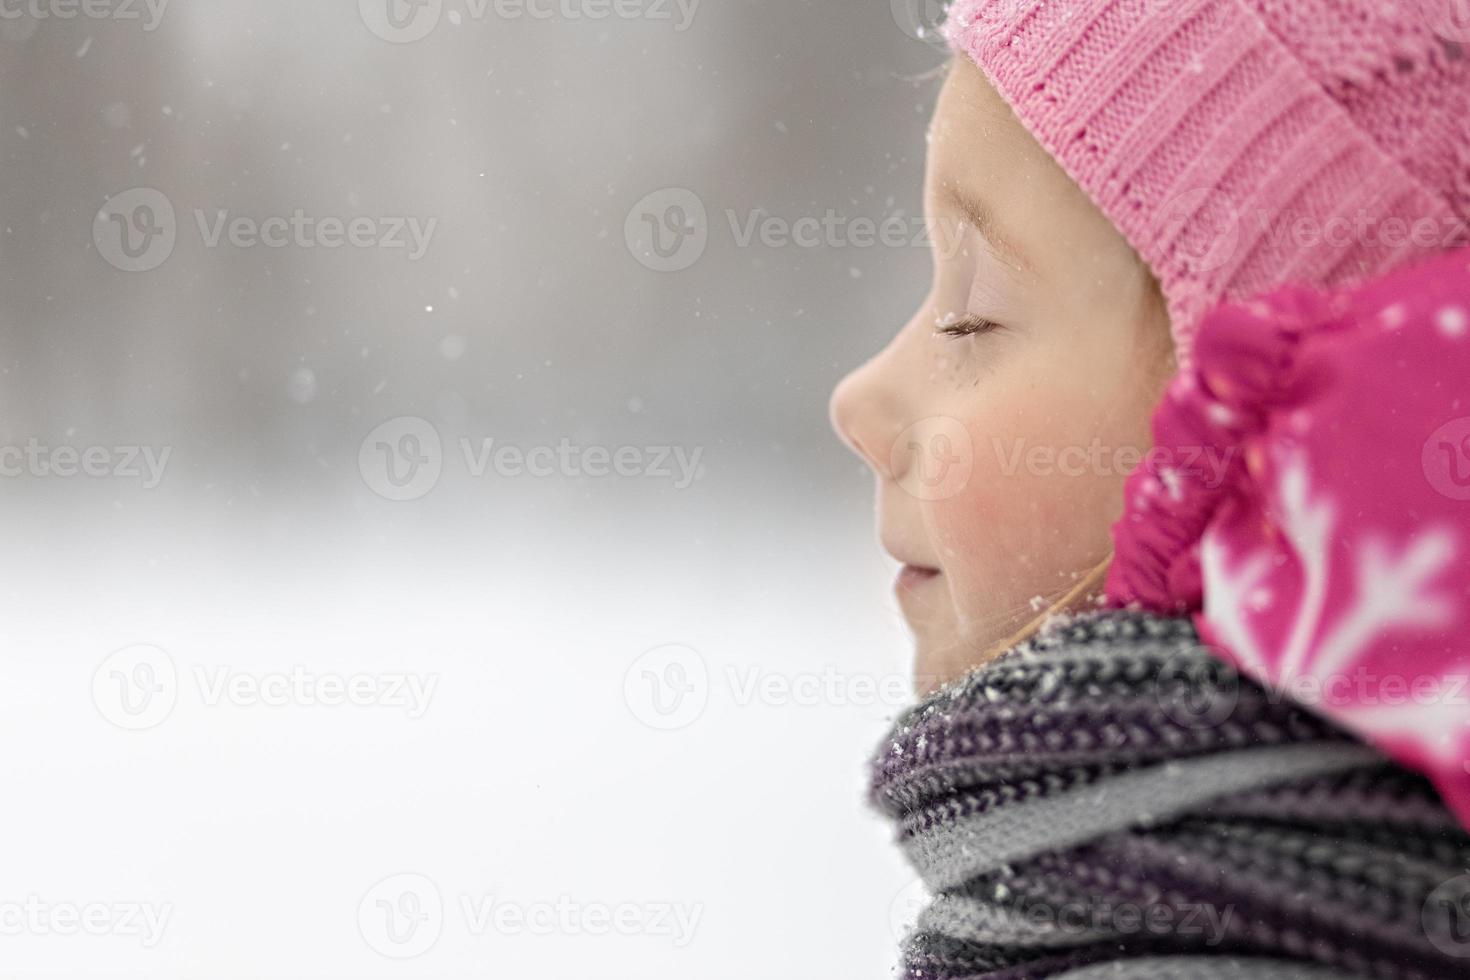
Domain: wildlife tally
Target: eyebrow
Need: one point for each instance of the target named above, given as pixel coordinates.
(983, 220)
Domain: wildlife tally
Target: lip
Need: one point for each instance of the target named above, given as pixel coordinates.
(911, 578)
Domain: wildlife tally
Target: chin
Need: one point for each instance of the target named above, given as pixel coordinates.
(945, 655)
(937, 661)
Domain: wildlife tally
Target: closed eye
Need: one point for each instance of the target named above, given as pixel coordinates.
(965, 325)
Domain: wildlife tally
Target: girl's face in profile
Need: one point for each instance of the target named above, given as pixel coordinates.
(1001, 420)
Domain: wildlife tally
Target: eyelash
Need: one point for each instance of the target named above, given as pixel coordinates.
(966, 325)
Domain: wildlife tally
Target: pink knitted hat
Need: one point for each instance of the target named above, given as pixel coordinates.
(1242, 144)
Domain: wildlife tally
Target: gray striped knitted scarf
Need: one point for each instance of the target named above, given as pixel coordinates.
(1112, 801)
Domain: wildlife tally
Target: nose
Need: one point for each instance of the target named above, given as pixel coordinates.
(863, 411)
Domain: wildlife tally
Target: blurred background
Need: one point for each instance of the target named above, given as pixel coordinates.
(428, 553)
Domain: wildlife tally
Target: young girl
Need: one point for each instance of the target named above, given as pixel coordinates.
(1250, 214)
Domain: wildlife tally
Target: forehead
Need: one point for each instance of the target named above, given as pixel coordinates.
(980, 153)
(973, 125)
(983, 164)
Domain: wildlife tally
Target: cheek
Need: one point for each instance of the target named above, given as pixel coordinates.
(1045, 487)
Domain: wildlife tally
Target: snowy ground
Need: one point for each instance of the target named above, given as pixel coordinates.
(533, 791)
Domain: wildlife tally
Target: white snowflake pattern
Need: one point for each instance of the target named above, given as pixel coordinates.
(1393, 591)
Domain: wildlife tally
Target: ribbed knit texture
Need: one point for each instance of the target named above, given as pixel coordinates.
(1111, 793)
(1242, 144)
